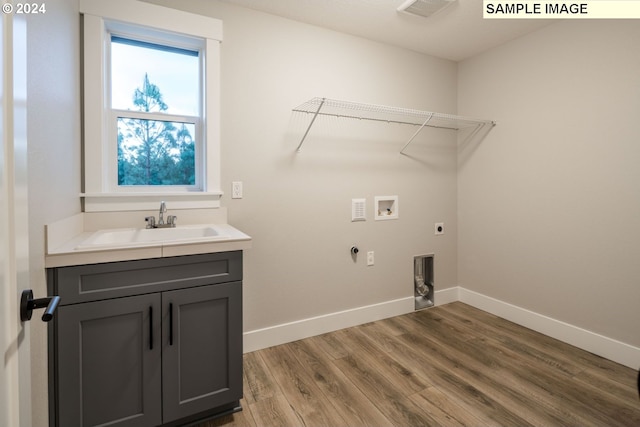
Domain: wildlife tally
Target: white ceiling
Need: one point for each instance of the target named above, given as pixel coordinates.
(457, 32)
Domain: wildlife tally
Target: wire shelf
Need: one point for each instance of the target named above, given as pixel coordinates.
(381, 113)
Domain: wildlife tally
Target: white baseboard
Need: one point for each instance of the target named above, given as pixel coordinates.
(592, 342)
(297, 330)
(293, 331)
(445, 296)
(611, 349)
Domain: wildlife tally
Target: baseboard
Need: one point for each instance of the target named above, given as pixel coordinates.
(608, 348)
(446, 296)
(305, 328)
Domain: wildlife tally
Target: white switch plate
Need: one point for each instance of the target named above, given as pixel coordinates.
(439, 228)
(236, 190)
(370, 258)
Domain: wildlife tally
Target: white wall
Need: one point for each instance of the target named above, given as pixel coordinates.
(53, 121)
(297, 206)
(549, 205)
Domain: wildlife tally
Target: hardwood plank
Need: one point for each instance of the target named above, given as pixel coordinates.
(390, 326)
(443, 409)
(457, 371)
(333, 346)
(381, 335)
(402, 324)
(347, 399)
(307, 400)
(403, 379)
(275, 412)
(395, 406)
(259, 384)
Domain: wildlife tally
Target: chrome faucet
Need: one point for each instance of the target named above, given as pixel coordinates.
(163, 209)
(171, 219)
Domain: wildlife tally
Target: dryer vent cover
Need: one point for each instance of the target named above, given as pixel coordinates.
(424, 8)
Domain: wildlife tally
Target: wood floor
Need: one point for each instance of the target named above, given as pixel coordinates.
(451, 365)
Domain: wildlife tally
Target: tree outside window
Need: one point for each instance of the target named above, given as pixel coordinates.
(154, 152)
(155, 97)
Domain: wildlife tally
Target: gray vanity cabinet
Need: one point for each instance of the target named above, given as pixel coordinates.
(146, 342)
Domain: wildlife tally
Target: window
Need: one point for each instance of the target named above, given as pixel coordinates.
(155, 101)
(151, 98)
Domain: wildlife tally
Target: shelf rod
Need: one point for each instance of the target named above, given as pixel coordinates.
(313, 119)
(347, 116)
(416, 134)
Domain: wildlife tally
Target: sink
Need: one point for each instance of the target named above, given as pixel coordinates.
(145, 237)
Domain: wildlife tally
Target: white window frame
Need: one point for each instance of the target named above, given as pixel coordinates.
(101, 192)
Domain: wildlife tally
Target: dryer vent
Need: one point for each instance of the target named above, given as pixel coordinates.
(424, 8)
(423, 281)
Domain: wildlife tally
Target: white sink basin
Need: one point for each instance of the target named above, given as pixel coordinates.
(144, 237)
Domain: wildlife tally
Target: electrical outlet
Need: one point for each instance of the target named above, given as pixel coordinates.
(236, 190)
(439, 228)
(370, 258)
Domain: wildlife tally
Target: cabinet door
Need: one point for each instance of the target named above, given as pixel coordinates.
(109, 363)
(202, 351)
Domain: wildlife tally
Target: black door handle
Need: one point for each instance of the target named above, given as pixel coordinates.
(170, 323)
(28, 304)
(150, 328)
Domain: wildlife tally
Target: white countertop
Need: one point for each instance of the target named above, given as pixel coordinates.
(65, 238)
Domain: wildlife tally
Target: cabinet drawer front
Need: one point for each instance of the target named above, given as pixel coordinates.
(119, 279)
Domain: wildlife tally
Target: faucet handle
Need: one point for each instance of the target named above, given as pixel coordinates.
(171, 220)
(151, 221)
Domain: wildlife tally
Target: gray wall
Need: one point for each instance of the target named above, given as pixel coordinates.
(549, 205)
(297, 207)
(53, 120)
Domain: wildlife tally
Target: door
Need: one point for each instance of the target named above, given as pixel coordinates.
(202, 352)
(15, 378)
(108, 357)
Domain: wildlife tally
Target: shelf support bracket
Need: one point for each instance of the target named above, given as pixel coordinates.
(313, 119)
(416, 134)
(476, 131)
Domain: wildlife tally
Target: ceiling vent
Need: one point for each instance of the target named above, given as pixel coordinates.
(424, 8)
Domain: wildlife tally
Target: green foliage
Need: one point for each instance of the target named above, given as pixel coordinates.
(153, 152)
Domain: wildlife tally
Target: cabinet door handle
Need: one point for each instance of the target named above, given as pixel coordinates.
(150, 328)
(170, 323)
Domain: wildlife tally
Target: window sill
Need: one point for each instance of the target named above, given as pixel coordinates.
(110, 202)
